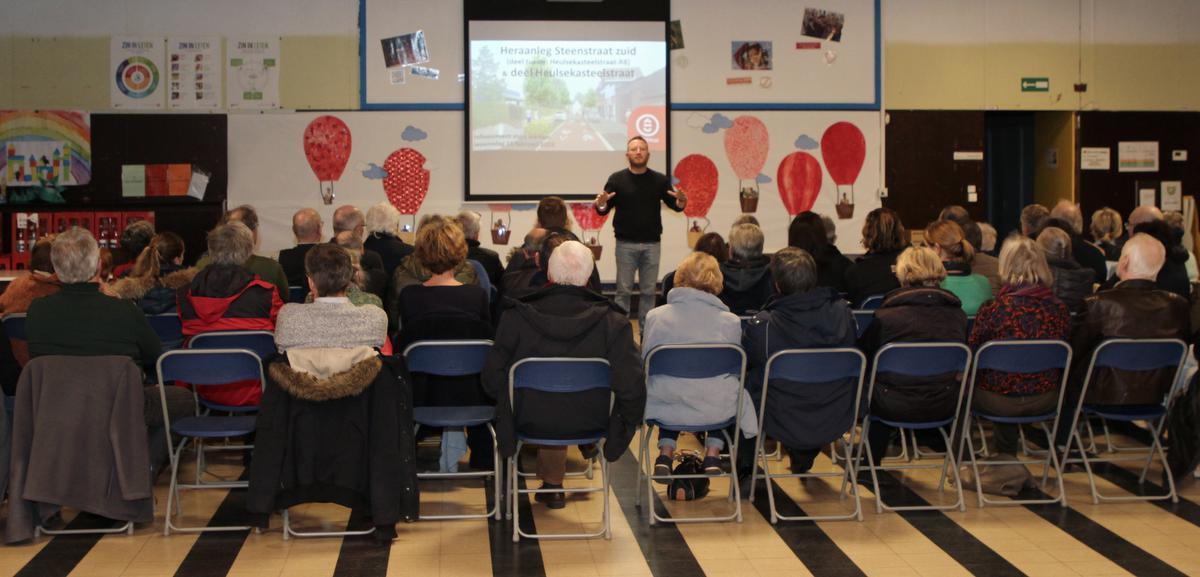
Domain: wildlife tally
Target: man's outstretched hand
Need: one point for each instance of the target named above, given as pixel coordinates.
(603, 198)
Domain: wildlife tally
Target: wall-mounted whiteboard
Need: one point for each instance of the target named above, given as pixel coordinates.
(818, 54)
(385, 45)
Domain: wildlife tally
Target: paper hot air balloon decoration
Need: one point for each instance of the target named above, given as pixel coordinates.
(843, 147)
(327, 146)
(591, 222)
(501, 219)
(799, 177)
(698, 179)
(746, 145)
(406, 185)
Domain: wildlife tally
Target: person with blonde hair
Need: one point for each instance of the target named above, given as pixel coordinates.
(1071, 282)
(156, 276)
(693, 314)
(949, 242)
(921, 310)
(1106, 229)
(1025, 308)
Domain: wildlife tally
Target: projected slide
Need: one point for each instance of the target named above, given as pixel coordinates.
(562, 97)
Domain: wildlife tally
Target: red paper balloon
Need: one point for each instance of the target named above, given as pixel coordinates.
(327, 146)
(799, 179)
(587, 217)
(746, 145)
(843, 148)
(698, 180)
(407, 181)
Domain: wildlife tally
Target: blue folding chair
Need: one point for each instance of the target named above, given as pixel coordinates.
(481, 274)
(919, 360)
(201, 368)
(262, 343)
(455, 359)
(809, 367)
(296, 294)
(14, 326)
(1018, 356)
(694, 361)
(862, 320)
(1129, 355)
(557, 375)
(871, 303)
(169, 329)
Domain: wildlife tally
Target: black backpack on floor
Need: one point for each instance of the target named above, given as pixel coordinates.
(688, 489)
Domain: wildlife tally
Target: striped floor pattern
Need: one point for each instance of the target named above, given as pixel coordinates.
(1148, 539)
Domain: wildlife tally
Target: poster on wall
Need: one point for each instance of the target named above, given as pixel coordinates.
(193, 73)
(1137, 157)
(252, 72)
(1094, 158)
(1172, 195)
(45, 147)
(137, 72)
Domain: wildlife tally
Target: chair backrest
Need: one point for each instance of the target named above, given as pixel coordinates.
(1139, 354)
(696, 361)
(262, 343)
(296, 293)
(1022, 356)
(481, 274)
(862, 320)
(209, 366)
(447, 358)
(559, 374)
(816, 366)
(871, 303)
(923, 359)
(14, 326)
(167, 326)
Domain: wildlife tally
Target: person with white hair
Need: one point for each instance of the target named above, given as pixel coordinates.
(469, 220)
(382, 228)
(1067, 216)
(349, 218)
(565, 319)
(1133, 308)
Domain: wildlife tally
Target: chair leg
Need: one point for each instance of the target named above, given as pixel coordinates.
(497, 478)
(1087, 466)
(607, 492)
(642, 458)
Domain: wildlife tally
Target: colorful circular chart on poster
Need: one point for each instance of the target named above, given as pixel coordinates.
(137, 77)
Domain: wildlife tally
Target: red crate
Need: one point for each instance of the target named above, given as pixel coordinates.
(130, 217)
(106, 227)
(27, 227)
(63, 221)
(5, 262)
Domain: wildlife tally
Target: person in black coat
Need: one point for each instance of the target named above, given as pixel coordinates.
(873, 274)
(803, 315)
(1072, 282)
(918, 311)
(469, 221)
(306, 225)
(748, 283)
(348, 218)
(382, 227)
(1066, 216)
(1173, 277)
(807, 231)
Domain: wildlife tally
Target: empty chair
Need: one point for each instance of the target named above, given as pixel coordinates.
(871, 303)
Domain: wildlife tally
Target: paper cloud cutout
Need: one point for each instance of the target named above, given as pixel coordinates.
(762, 178)
(374, 172)
(717, 122)
(412, 134)
(806, 142)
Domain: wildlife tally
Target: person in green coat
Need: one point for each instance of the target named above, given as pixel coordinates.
(947, 239)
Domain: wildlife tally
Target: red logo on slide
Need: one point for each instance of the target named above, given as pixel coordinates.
(649, 122)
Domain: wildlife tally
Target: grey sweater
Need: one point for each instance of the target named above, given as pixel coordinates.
(325, 324)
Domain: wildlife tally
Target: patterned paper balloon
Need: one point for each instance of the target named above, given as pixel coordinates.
(799, 177)
(746, 145)
(327, 146)
(587, 217)
(407, 181)
(697, 176)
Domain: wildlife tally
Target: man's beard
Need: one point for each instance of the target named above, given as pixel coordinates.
(635, 164)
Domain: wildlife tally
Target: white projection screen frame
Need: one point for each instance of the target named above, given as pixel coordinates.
(551, 104)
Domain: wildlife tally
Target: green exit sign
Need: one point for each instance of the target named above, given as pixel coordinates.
(1035, 85)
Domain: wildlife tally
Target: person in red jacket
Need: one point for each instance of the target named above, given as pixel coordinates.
(224, 296)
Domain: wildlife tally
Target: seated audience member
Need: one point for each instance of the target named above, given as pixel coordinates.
(807, 231)
(382, 228)
(830, 229)
(709, 243)
(22, 291)
(348, 218)
(693, 314)
(553, 216)
(331, 320)
(1106, 228)
(987, 238)
(1174, 219)
(1134, 308)
(469, 221)
(803, 315)
(444, 308)
(411, 272)
(745, 219)
(1140, 215)
(1033, 219)
(156, 276)
(306, 226)
(134, 239)
(353, 247)
(947, 241)
(225, 296)
(883, 236)
(747, 278)
(518, 278)
(1024, 308)
(919, 311)
(1173, 275)
(1088, 256)
(1071, 283)
(266, 269)
(568, 320)
(982, 263)
(79, 320)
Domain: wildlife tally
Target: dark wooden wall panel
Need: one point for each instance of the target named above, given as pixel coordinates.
(922, 175)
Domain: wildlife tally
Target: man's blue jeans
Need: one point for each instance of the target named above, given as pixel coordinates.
(642, 258)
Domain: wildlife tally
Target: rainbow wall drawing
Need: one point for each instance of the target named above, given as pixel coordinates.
(30, 140)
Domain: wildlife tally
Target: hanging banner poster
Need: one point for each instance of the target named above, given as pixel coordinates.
(253, 72)
(193, 73)
(137, 72)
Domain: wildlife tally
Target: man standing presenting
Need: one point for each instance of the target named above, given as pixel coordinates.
(637, 190)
